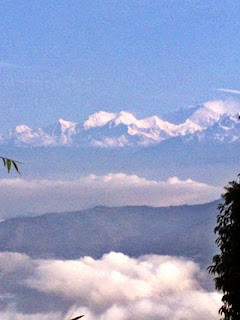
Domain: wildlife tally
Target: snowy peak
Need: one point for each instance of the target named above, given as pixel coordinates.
(123, 128)
(212, 111)
(124, 117)
(22, 129)
(213, 121)
(59, 133)
(227, 130)
(62, 131)
(98, 119)
(61, 127)
(66, 125)
(102, 118)
(153, 122)
(24, 135)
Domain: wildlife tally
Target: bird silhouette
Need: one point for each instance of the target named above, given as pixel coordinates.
(77, 317)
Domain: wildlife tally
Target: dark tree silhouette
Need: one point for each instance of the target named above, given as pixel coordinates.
(226, 264)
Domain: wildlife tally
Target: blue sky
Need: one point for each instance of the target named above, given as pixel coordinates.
(72, 58)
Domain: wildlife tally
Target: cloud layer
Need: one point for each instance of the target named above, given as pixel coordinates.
(19, 196)
(114, 287)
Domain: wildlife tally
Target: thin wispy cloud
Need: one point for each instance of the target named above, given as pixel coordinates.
(233, 91)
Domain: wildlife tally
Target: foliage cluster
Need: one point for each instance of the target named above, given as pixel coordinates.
(226, 264)
(8, 163)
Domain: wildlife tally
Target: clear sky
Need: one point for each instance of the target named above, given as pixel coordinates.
(72, 58)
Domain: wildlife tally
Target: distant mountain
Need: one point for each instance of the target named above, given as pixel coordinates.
(62, 131)
(182, 231)
(123, 129)
(23, 135)
(226, 130)
(204, 115)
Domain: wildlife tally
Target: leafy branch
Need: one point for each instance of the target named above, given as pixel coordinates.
(9, 164)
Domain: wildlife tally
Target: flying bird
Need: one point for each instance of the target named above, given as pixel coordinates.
(77, 317)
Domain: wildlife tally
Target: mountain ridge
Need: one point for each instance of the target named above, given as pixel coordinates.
(122, 129)
(133, 230)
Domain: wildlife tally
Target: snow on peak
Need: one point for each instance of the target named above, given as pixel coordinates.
(66, 124)
(22, 128)
(124, 129)
(23, 135)
(212, 111)
(101, 118)
(227, 129)
(64, 127)
(124, 117)
(62, 131)
(154, 121)
(140, 131)
(221, 107)
(98, 119)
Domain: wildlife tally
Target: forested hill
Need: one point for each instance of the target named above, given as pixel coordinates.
(182, 230)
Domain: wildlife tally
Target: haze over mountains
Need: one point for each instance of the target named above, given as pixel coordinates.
(214, 121)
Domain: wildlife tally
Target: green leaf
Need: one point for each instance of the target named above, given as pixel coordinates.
(15, 166)
(9, 162)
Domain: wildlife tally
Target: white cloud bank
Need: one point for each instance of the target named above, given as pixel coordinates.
(114, 287)
(19, 196)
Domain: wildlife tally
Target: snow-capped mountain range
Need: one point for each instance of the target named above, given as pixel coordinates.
(214, 120)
